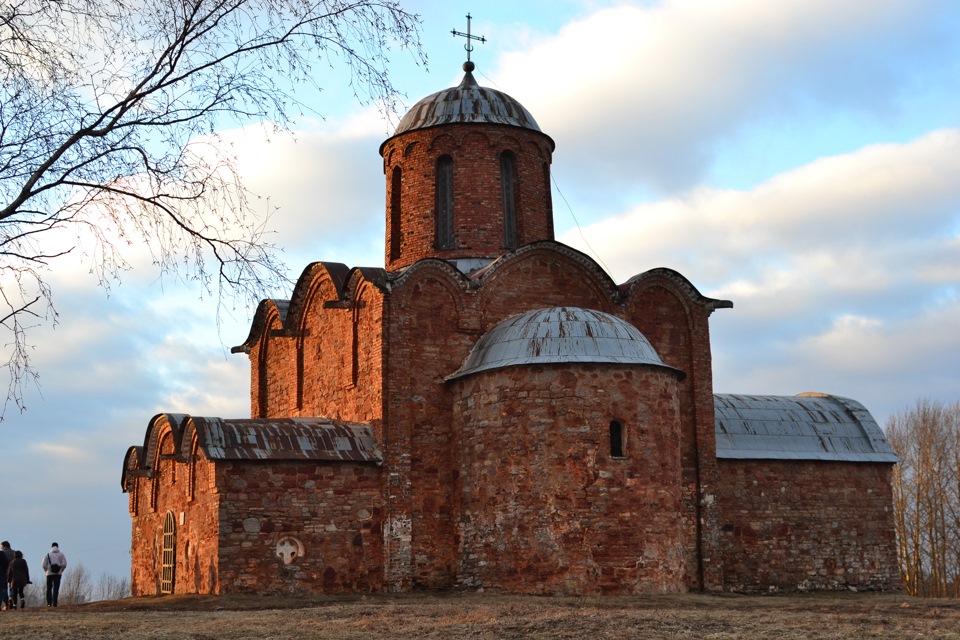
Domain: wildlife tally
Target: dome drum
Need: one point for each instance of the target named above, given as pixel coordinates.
(467, 176)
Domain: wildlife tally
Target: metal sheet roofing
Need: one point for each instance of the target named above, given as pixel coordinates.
(804, 427)
(559, 335)
(466, 103)
(286, 439)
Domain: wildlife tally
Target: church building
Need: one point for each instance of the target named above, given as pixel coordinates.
(491, 411)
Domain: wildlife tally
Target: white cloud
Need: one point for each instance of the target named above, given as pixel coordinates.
(326, 183)
(843, 272)
(869, 218)
(646, 94)
(62, 453)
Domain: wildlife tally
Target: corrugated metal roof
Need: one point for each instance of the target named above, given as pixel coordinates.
(466, 103)
(804, 427)
(557, 335)
(286, 439)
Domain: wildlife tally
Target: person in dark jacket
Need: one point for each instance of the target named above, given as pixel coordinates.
(18, 577)
(6, 557)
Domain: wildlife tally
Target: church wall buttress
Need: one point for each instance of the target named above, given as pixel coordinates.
(677, 328)
(421, 458)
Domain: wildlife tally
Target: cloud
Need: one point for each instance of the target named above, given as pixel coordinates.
(845, 273)
(325, 183)
(649, 94)
(863, 220)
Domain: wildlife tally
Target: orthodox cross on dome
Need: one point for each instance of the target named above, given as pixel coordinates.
(468, 46)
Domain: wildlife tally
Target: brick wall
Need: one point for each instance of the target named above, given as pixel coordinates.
(662, 304)
(477, 202)
(432, 321)
(327, 361)
(424, 347)
(332, 509)
(188, 490)
(792, 525)
(546, 507)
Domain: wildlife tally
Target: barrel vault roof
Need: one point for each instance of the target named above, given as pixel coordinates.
(804, 427)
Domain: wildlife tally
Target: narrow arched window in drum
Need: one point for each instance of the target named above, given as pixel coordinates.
(444, 236)
(508, 185)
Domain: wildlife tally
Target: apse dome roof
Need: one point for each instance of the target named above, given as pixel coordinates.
(559, 335)
(467, 103)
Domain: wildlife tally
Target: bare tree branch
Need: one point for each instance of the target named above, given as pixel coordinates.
(926, 490)
(109, 113)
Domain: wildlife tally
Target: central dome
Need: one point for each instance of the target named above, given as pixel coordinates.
(558, 335)
(467, 103)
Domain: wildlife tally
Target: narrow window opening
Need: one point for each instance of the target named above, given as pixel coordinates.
(616, 439)
(395, 214)
(169, 553)
(444, 217)
(135, 496)
(508, 180)
(300, 366)
(262, 369)
(355, 347)
(194, 458)
(548, 197)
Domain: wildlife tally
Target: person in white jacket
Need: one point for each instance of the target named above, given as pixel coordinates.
(54, 564)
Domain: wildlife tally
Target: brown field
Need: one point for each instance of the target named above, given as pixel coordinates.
(808, 616)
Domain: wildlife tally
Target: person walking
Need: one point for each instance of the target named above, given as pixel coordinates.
(54, 564)
(18, 575)
(6, 557)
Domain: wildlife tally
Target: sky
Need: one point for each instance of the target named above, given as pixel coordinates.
(799, 158)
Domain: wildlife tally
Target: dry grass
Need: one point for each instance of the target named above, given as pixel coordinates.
(811, 616)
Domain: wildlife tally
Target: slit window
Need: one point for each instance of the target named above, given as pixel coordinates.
(508, 184)
(616, 439)
(444, 234)
(395, 180)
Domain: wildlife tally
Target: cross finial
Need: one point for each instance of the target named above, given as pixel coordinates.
(468, 46)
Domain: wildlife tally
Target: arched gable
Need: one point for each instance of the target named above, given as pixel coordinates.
(455, 283)
(188, 438)
(358, 277)
(544, 274)
(676, 282)
(156, 428)
(269, 391)
(319, 282)
(131, 468)
(267, 309)
(310, 322)
(139, 462)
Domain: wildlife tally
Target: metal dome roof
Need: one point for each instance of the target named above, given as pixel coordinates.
(467, 103)
(559, 335)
